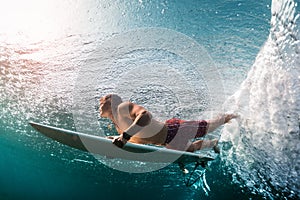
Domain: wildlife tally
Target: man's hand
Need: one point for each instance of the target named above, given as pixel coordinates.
(119, 141)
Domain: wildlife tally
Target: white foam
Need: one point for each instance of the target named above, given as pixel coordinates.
(268, 101)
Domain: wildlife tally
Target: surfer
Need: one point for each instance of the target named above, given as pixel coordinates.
(135, 124)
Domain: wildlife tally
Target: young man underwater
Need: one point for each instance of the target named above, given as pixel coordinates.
(135, 124)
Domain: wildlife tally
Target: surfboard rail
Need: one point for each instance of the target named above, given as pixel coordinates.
(104, 147)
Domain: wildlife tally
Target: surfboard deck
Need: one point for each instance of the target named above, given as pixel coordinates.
(104, 147)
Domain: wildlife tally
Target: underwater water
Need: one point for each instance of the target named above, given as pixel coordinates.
(189, 59)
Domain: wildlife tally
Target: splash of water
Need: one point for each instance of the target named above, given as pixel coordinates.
(264, 154)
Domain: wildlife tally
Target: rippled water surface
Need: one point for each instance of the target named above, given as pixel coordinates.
(58, 57)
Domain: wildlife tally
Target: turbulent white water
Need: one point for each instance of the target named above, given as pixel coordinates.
(265, 152)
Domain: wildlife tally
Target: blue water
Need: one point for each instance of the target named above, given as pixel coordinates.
(45, 48)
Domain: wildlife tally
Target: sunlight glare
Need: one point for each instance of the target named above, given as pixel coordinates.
(34, 19)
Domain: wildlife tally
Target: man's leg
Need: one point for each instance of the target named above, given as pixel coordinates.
(202, 144)
(219, 121)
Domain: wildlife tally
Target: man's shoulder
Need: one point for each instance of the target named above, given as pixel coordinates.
(125, 107)
(126, 104)
(129, 107)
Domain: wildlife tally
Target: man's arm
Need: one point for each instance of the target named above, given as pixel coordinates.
(140, 118)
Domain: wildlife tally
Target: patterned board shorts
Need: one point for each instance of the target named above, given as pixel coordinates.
(174, 124)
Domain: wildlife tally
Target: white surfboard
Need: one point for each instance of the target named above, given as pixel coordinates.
(104, 147)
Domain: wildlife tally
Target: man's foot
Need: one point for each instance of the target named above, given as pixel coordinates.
(217, 149)
(215, 146)
(228, 117)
